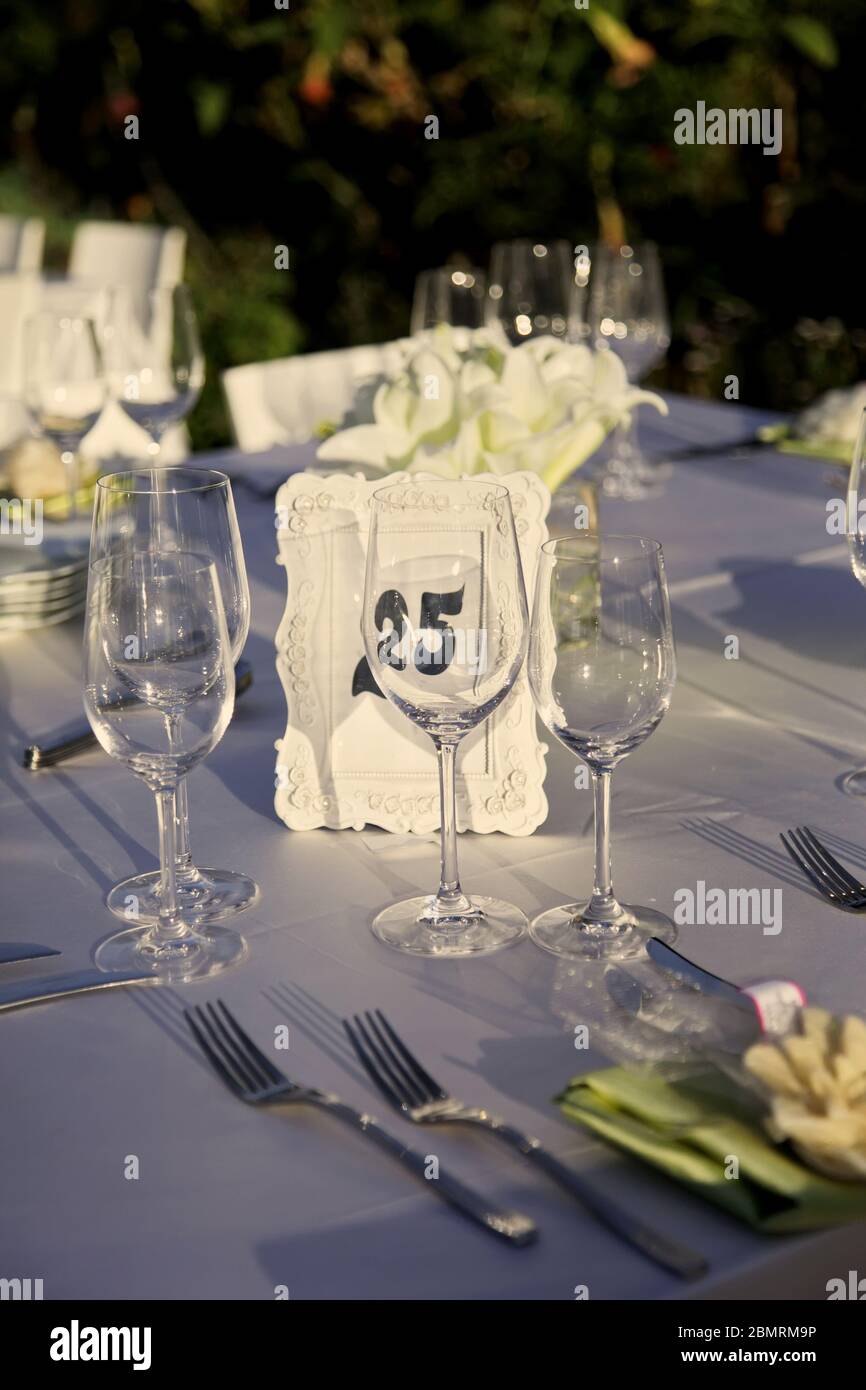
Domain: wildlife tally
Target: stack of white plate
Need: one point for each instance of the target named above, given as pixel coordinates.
(40, 585)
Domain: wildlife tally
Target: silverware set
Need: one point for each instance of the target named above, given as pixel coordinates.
(253, 1077)
(400, 1078)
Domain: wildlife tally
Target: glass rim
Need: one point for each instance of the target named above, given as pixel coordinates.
(213, 478)
(549, 546)
(498, 488)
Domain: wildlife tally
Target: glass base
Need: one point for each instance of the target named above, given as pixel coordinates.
(854, 783)
(208, 895)
(564, 932)
(634, 477)
(189, 957)
(409, 926)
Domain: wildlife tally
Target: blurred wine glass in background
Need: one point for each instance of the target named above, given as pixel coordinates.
(623, 298)
(530, 290)
(65, 384)
(155, 359)
(449, 295)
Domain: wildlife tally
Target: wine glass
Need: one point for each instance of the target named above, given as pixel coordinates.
(445, 631)
(65, 385)
(602, 670)
(155, 359)
(449, 295)
(854, 783)
(627, 314)
(159, 692)
(529, 291)
(167, 508)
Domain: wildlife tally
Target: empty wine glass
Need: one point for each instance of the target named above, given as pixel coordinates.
(159, 693)
(65, 384)
(445, 631)
(530, 289)
(854, 783)
(627, 314)
(179, 508)
(602, 671)
(155, 359)
(449, 295)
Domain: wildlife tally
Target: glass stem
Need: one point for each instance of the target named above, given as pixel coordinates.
(69, 459)
(603, 908)
(184, 867)
(169, 926)
(450, 898)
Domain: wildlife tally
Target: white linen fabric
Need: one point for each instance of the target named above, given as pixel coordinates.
(230, 1203)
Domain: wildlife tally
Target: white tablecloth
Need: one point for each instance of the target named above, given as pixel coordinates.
(230, 1203)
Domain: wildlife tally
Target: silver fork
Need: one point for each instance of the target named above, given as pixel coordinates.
(410, 1089)
(252, 1076)
(823, 869)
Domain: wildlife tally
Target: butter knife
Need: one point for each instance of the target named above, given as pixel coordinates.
(20, 992)
(75, 737)
(24, 950)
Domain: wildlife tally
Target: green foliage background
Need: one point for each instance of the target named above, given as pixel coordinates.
(263, 126)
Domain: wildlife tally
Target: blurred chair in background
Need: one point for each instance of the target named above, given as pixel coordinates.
(287, 401)
(136, 259)
(21, 243)
(121, 253)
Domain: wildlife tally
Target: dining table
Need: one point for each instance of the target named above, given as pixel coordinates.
(130, 1172)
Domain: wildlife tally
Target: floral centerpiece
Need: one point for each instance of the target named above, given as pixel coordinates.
(467, 403)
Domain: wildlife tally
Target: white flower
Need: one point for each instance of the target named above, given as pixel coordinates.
(834, 417)
(464, 403)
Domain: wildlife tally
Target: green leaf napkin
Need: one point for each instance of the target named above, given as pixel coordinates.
(691, 1131)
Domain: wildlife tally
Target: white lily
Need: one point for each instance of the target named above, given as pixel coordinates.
(463, 404)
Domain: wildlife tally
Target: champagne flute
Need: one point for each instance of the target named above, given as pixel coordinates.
(155, 359)
(184, 508)
(627, 314)
(602, 670)
(159, 693)
(65, 384)
(854, 783)
(530, 290)
(449, 295)
(445, 631)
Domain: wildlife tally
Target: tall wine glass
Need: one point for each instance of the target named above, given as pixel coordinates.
(449, 295)
(159, 692)
(854, 783)
(65, 384)
(529, 289)
(602, 671)
(183, 508)
(155, 359)
(445, 631)
(627, 314)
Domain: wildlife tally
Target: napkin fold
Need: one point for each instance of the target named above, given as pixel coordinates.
(691, 1131)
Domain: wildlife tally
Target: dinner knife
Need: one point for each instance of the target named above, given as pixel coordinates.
(74, 738)
(20, 992)
(695, 975)
(774, 1005)
(24, 950)
(698, 1022)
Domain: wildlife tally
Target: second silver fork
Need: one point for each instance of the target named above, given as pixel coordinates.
(410, 1089)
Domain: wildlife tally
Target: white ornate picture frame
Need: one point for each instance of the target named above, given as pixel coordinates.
(335, 762)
